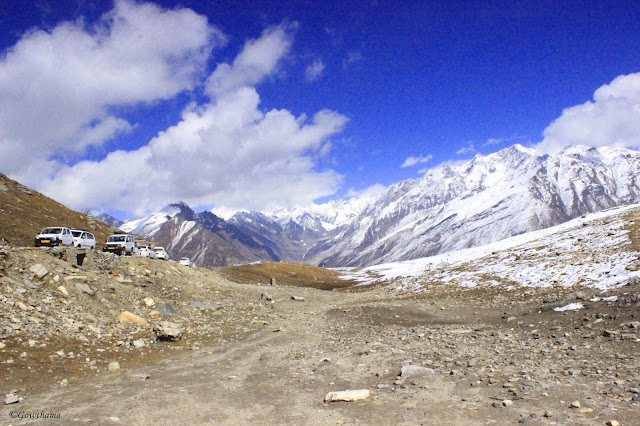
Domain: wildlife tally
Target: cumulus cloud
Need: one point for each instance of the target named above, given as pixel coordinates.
(58, 87)
(226, 152)
(412, 161)
(612, 118)
(258, 59)
(314, 70)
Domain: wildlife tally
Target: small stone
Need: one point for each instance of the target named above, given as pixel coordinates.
(507, 403)
(63, 290)
(114, 366)
(348, 395)
(142, 376)
(609, 333)
(297, 298)
(85, 288)
(138, 343)
(266, 297)
(64, 382)
(548, 414)
(2, 345)
(126, 317)
(634, 324)
(575, 404)
(11, 400)
(149, 302)
(613, 423)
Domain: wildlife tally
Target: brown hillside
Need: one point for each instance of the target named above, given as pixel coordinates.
(287, 273)
(25, 212)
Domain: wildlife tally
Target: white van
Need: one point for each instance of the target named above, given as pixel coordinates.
(120, 244)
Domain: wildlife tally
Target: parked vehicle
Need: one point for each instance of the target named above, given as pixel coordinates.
(54, 236)
(185, 261)
(120, 244)
(147, 251)
(83, 239)
(161, 253)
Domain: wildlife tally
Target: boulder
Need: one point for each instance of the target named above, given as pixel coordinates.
(39, 270)
(167, 330)
(410, 371)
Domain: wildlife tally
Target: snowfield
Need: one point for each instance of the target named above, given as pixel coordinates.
(588, 251)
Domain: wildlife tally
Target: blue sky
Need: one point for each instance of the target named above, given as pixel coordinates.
(432, 81)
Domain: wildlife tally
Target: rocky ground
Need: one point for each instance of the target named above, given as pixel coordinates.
(263, 354)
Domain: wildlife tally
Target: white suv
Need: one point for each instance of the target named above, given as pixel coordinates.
(83, 239)
(120, 244)
(54, 236)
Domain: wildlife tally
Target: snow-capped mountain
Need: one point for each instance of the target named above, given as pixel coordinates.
(454, 206)
(486, 199)
(204, 237)
(327, 216)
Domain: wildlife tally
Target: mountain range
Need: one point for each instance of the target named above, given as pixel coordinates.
(453, 206)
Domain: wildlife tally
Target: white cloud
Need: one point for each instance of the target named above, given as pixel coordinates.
(226, 153)
(58, 87)
(258, 59)
(612, 118)
(352, 56)
(470, 148)
(369, 192)
(493, 141)
(314, 70)
(412, 161)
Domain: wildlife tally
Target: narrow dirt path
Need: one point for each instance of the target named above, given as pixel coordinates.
(481, 367)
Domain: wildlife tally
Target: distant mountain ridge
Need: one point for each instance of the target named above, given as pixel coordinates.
(453, 206)
(105, 217)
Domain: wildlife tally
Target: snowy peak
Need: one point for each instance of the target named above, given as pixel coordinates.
(485, 199)
(148, 226)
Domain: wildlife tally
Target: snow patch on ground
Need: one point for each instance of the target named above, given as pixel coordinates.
(587, 251)
(569, 307)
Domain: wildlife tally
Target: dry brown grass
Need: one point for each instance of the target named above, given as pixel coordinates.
(287, 273)
(634, 229)
(25, 212)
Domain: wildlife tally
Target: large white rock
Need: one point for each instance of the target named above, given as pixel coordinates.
(348, 395)
(39, 270)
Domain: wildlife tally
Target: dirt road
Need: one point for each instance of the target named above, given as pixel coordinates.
(492, 356)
